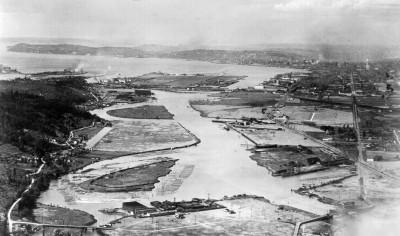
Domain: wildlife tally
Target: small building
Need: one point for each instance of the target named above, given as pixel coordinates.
(118, 80)
(135, 207)
(259, 87)
(293, 101)
(132, 206)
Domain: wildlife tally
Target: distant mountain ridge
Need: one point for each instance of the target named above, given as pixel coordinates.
(248, 57)
(273, 55)
(75, 49)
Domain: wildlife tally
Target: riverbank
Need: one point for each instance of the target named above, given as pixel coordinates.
(31, 195)
(37, 117)
(278, 58)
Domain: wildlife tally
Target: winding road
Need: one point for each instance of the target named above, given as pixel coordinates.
(10, 221)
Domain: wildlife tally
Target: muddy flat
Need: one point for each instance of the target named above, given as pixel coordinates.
(227, 111)
(159, 79)
(139, 178)
(62, 216)
(142, 112)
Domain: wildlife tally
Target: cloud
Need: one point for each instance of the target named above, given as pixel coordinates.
(208, 22)
(298, 5)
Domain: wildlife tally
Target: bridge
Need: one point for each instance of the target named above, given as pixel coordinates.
(378, 171)
(301, 223)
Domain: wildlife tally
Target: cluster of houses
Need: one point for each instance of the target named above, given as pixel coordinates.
(280, 83)
(19, 164)
(365, 83)
(118, 82)
(12, 154)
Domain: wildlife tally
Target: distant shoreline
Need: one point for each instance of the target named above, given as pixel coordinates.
(214, 56)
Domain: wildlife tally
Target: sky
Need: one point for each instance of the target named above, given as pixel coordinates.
(206, 22)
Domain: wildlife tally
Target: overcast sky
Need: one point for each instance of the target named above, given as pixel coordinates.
(205, 22)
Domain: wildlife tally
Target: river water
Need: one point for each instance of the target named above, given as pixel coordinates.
(218, 166)
(109, 67)
(221, 166)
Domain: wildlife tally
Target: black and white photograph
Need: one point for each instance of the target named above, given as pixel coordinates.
(200, 117)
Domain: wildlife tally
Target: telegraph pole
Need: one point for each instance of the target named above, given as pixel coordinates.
(360, 158)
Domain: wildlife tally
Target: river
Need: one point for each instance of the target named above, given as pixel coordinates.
(221, 166)
(109, 67)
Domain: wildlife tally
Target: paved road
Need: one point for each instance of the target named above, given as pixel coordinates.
(9, 218)
(10, 221)
(396, 135)
(95, 139)
(62, 226)
(378, 171)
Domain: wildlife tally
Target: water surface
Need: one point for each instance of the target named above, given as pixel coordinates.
(221, 166)
(109, 67)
